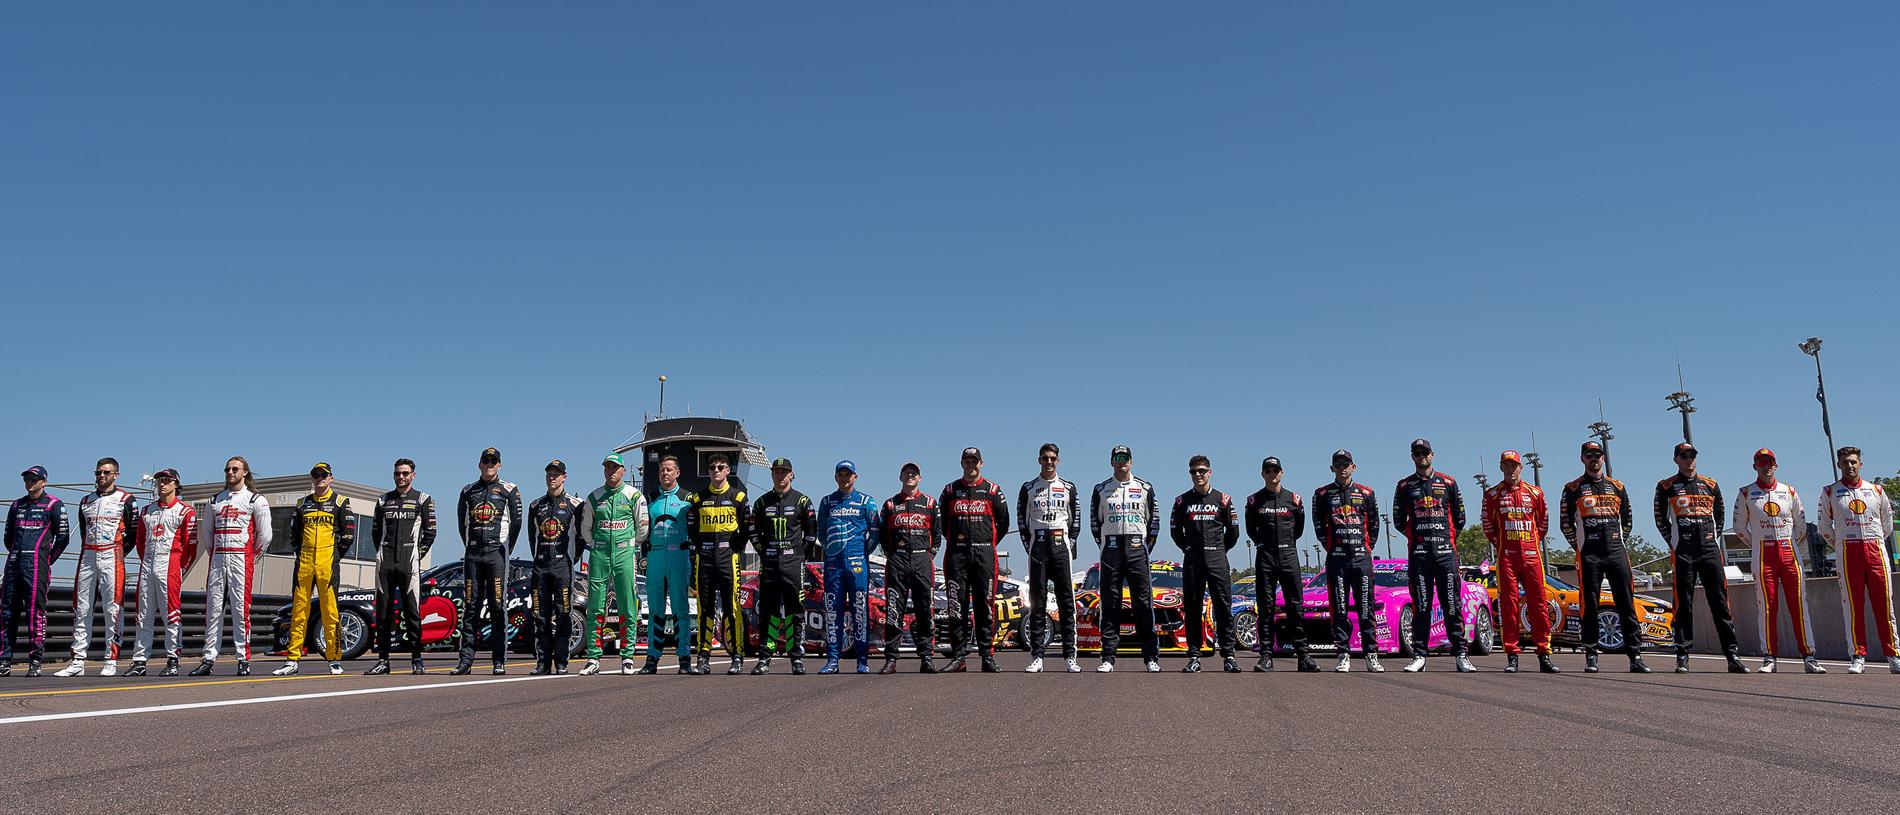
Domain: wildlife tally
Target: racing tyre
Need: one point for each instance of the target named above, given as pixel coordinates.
(577, 634)
(1610, 632)
(1480, 639)
(353, 628)
(1246, 631)
(1404, 632)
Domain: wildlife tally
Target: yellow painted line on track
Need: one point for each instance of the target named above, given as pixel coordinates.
(205, 683)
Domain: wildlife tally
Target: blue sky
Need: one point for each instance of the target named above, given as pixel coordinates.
(886, 232)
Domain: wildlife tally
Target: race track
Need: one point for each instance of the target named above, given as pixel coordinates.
(1010, 742)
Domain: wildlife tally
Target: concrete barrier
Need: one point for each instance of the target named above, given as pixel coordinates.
(1826, 615)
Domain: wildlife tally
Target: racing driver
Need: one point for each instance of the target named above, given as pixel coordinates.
(669, 568)
(1203, 523)
(107, 518)
(975, 518)
(234, 528)
(37, 534)
(719, 523)
(1516, 519)
(912, 528)
(1857, 517)
(1049, 518)
(1595, 516)
(1276, 519)
(847, 520)
(554, 525)
(1689, 515)
(1769, 517)
(784, 529)
(1346, 521)
(403, 531)
(1124, 521)
(1430, 510)
(614, 521)
(164, 539)
(322, 528)
(488, 515)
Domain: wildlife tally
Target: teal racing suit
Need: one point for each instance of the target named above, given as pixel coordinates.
(615, 522)
(669, 570)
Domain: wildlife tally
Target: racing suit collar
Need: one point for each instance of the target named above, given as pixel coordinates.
(1854, 484)
(1772, 483)
(325, 496)
(717, 491)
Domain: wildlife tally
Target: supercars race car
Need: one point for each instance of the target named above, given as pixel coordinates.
(1168, 587)
(1393, 615)
(1565, 604)
(440, 607)
(1010, 604)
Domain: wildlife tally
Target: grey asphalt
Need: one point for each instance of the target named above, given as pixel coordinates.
(1704, 741)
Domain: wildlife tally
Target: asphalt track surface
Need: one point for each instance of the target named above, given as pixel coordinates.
(1436, 741)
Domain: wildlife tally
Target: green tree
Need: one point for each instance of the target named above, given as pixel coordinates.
(1891, 484)
(1473, 547)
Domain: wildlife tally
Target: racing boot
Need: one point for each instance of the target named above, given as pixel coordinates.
(929, 665)
(1767, 665)
(1893, 665)
(1465, 666)
(415, 666)
(1372, 664)
(1544, 665)
(1510, 663)
(498, 669)
(831, 666)
(1813, 666)
(1682, 663)
(686, 668)
(701, 666)
(336, 669)
(592, 667)
(651, 667)
(1153, 665)
(6, 669)
(989, 664)
(1035, 666)
(288, 669)
(1228, 665)
(1069, 666)
(1417, 664)
(958, 663)
(244, 667)
(1193, 665)
(626, 667)
(1637, 666)
(1590, 662)
(1735, 665)
(762, 667)
(203, 669)
(540, 669)
(798, 665)
(1857, 665)
(111, 668)
(1307, 665)
(737, 666)
(1108, 665)
(890, 666)
(137, 669)
(381, 668)
(1345, 663)
(864, 664)
(171, 667)
(1263, 665)
(74, 668)
(33, 669)
(462, 668)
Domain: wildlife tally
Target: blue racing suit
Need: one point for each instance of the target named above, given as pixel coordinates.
(669, 569)
(848, 522)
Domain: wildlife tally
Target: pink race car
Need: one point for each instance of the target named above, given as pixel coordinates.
(1392, 613)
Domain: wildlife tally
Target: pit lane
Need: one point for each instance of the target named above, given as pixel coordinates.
(1056, 742)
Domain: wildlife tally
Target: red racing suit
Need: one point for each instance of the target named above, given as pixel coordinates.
(1516, 520)
(1857, 518)
(164, 541)
(1770, 519)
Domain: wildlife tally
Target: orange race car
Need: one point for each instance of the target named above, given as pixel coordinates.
(1565, 603)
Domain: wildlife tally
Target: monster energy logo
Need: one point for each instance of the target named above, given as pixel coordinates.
(780, 529)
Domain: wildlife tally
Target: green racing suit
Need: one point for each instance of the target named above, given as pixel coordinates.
(615, 522)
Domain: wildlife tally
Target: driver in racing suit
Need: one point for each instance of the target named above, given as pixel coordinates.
(1594, 514)
(669, 569)
(1769, 516)
(37, 534)
(1346, 521)
(784, 528)
(1857, 517)
(975, 518)
(848, 521)
(488, 516)
(614, 521)
(1688, 507)
(719, 523)
(1049, 519)
(554, 524)
(1203, 523)
(107, 520)
(1124, 522)
(911, 531)
(1276, 519)
(234, 528)
(322, 528)
(403, 531)
(1516, 519)
(1429, 509)
(166, 533)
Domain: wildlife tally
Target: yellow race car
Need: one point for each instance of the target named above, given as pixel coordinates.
(1565, 605)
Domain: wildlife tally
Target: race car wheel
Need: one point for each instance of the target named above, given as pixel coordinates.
(354, 629)
(1404, 631)
(577, 637)
(1610, 631)
(1246, 631)
(1480, 644)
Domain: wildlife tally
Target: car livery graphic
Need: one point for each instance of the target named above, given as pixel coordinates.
(1168, 591)
(1392, 613)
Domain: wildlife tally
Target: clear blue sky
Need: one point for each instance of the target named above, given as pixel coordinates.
(887, 231)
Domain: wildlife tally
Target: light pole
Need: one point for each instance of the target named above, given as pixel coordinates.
(1682, 401)
(662, 397)
(1601, 430)
(1813, 348)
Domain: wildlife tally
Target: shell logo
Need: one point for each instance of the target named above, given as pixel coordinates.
(1857, 506)
(1771, 509)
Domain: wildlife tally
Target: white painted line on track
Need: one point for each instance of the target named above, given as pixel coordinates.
(291, 697)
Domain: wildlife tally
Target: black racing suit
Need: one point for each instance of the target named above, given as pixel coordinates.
(1346, 521)
(558, 544)
(1205, 526)
(784, 531)
(975, 517)
(1430, 512)
(488, 514)
(1275, 522)
(912, 527)
(1596, 520)
(1690, 517)
(1048, 520)
(1124, 521)
(402, 530)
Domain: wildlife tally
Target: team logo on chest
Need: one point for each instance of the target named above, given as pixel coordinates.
(484, 512)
